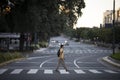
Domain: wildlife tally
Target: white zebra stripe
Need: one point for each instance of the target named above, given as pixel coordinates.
(110, 71)
(32, 71)
(63, 72)
(3, 70)
(95, 71)
(16, 71)
(79, 71)
(48, 71)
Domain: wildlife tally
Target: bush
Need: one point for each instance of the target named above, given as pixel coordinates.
(34, 46)
(43, 44)
(9, 56)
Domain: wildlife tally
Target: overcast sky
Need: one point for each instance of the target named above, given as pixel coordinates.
(93, 12)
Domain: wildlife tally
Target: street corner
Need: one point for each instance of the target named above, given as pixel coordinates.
(111, 61)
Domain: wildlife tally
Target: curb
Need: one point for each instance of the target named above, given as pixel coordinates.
(110, 61)
(10, 61)
(39, 50)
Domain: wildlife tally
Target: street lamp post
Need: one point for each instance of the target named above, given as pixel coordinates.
(113, 28)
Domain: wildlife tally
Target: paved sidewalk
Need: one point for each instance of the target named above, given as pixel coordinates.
(111, 61)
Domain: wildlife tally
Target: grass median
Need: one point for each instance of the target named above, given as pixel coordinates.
(116, 56)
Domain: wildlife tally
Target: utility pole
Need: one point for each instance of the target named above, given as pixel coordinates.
(113, 28)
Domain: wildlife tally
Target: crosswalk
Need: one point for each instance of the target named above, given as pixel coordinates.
(61, 71)
(78, 51)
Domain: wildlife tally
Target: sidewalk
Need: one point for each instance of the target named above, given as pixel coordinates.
(111, 61)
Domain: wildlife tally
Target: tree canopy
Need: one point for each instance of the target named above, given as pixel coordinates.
(46, 17)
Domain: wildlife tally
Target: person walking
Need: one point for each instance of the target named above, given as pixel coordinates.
(61, 59)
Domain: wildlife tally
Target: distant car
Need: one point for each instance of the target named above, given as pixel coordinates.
(66, 42)
(53, 41)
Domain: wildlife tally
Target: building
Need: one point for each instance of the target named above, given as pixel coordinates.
(9, 41)
(108, 18)
(118, 18)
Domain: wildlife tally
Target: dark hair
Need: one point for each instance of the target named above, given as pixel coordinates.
(61, 45)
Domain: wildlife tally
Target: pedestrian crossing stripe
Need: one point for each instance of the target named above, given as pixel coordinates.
(16, 71)
(32, 71)
(61, 71)
(80, 51)
(110, 71)
(2, 71)
(48, 71)
(79, 71)
(95, 71)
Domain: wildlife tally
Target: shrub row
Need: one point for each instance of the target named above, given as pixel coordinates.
(9, 56)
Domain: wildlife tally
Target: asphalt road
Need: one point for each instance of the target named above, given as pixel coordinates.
(82, 60)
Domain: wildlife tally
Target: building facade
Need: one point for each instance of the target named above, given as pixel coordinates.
(108, 18)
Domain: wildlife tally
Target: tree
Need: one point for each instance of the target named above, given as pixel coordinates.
(44, 17)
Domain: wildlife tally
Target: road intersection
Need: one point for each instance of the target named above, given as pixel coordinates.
(84, 62)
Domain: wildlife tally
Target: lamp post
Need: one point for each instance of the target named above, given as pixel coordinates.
(113, 28)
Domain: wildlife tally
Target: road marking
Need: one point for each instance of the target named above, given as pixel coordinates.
(32, 71)
(3, 70)
(75, 63)
(87, 62)
(30, 58)
(110, 71)
(81, 51)
(16, 71)
(63, 72)
(79, 71)
(45, 62)
(95, 71)
(48, 72)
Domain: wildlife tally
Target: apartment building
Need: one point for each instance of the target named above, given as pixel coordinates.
(108, 18)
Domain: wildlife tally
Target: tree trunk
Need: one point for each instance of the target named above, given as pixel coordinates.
(21, 47)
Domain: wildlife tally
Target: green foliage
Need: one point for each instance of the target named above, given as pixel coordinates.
(43, 44)
(105, 35)
(9, 56)
(44, 17)
(116, 56)
(117, 34)
(98, 34)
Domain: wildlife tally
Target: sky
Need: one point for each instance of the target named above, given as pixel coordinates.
(93, 12)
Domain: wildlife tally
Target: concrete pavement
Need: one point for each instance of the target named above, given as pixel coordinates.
(111, 61)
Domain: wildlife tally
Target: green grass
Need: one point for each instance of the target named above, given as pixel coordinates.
(116, 56)
(9, 56)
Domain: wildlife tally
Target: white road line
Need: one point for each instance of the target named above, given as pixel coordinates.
(48, 71)
(75, 63)
(32, 71)
(79, 71)
(110, 71)
(87, 62)
(2, 71)
(95, 71)
(16, 71)
(45, 62)
(30, 58)
(63, 72)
